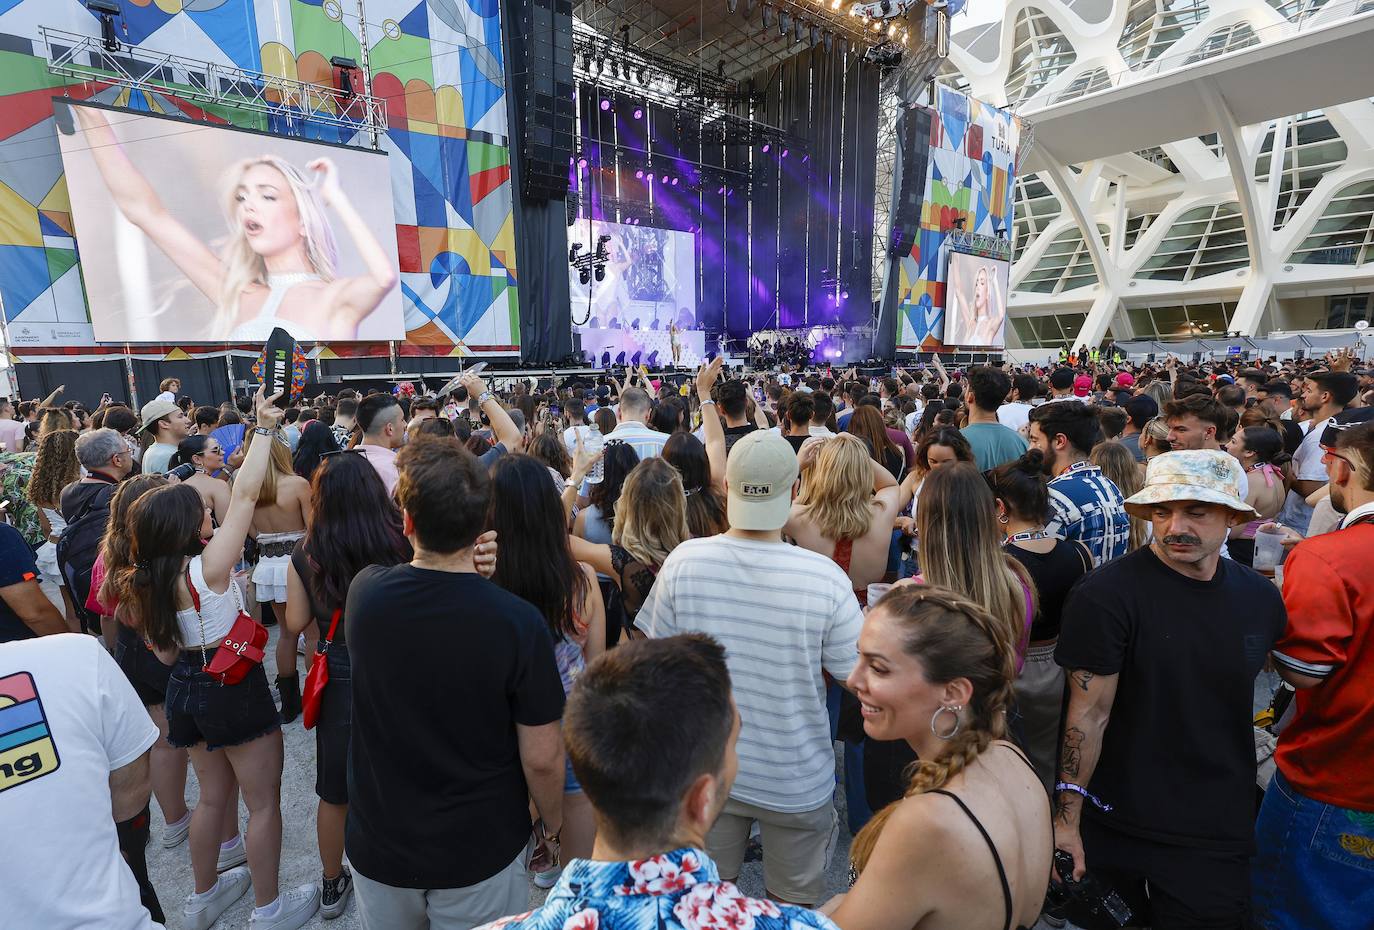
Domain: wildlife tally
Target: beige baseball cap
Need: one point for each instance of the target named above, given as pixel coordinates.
(155, 410)
(759, 475)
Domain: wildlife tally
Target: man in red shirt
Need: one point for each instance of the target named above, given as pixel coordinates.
(1315, 866)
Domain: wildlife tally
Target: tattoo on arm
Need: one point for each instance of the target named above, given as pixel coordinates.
(1081, 678)
(1071, 756)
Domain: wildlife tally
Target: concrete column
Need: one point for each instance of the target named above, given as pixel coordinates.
(1108, 300)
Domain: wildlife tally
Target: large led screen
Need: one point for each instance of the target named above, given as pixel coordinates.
(199, 233)
(976, 301)
(649, 281)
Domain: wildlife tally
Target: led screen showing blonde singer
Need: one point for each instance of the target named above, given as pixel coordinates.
(976, 301)
(198, 233)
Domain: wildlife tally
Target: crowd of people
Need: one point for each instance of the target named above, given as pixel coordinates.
(1096, 642)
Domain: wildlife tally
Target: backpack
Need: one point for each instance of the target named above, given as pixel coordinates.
(77, 548)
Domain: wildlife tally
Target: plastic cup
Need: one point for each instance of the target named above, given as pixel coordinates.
(1268, 548)
(876, 591)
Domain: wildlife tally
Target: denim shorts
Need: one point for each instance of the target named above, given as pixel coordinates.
(1315, 865)
(201, 710)
(570, 783)
(141, 666)
(333, 729)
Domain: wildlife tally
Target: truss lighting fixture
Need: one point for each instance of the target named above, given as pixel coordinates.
(732, 5)
(798, 31)
(829, 41)
(816, 36)
(767, 16)
(748, 8)
(107, 10)
(892, 29)
(784, 23)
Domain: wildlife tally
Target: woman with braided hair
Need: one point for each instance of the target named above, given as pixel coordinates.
(969, 845)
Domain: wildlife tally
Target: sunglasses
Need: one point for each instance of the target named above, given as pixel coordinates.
(325, 455)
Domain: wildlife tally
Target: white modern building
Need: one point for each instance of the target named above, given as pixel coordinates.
(1198, 166)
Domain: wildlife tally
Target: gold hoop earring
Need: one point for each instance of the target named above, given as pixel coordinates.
(953, 709)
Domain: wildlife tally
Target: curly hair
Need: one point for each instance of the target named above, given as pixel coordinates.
(952, 637)
(54, 468)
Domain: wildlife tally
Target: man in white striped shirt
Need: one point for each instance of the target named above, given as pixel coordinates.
(784, 614)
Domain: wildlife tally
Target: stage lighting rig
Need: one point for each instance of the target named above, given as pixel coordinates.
(592, 264)
(107, 10)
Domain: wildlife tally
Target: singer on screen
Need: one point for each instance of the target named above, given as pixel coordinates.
(977, 312)
(278, 266)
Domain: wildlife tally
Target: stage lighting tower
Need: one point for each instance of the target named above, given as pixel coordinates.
(107, 10)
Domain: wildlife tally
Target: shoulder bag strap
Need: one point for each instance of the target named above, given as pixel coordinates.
(195, 600)
(333, 626)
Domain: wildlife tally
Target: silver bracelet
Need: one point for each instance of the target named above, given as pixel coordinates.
(706, 401)
(264, 431)
(484, 397)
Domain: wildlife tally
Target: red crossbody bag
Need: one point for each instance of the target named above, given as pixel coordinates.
(241, 648)
(312, 695)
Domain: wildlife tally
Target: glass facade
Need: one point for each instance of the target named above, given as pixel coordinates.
(1345, 233)
(1202, 241)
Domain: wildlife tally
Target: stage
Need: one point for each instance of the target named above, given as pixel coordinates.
(650, 347)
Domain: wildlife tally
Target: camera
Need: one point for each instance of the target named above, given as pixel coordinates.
(1089, 893)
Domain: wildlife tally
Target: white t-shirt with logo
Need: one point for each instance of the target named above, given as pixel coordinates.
(68, 718)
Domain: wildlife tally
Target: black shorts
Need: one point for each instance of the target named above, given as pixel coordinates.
(332, 730)
(141, 666)
(1169, 887)
(201, 710)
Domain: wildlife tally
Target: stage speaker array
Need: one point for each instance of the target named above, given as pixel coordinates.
(542, 56)
(913, 150)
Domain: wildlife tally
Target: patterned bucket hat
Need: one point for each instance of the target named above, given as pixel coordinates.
(1204, 475)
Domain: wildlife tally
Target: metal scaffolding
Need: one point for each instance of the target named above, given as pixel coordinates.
(85, 58)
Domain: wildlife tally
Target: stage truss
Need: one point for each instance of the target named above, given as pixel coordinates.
(85, 58)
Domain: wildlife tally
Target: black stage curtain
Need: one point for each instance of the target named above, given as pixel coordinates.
(85, 381)
(812, 223)
(541, 226)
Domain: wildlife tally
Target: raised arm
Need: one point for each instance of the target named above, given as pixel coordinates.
(360, 294)
(582, 466)
(502, 426)
(226, 546)
(1090, 706)
(710, 420)
(138, 201)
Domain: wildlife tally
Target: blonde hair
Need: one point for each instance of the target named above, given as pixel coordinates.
(651, 514)
(279, 468)
(961, 547)
(1119, 465)
(242, 266)
(1157, 432)
(54, 468)
(951, 637)
(837, 490)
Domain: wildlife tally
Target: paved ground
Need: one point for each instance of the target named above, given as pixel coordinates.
(171, 868)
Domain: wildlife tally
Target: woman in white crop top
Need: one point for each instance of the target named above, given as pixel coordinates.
(180, 588)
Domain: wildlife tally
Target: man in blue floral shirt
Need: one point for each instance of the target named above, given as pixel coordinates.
(657, 778)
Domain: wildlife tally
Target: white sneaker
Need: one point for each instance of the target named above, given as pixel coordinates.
(300, 645)
(174, 834)
(297, 906)
(203, 910)
(233, 855)
(547, 878)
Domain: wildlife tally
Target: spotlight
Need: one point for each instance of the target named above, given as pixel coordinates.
(107, 10)
(766, 147)
(784, 153)
(639, 113)
(584, 277)
(798, 31)
(605, 104)
(572, 252)
(582, 163)
(601, 272)
(829, 41)
(722, 189)
(587, 62)
(674, 182)
(748, 8)
(877, 25)
(892, 29)
(784, 23)
(664, 179)
(615, 68)
(732, 5)
(767, 16)
(720, 68)
(644, 76)
(815, 36)
(844, 295)
(639, 175)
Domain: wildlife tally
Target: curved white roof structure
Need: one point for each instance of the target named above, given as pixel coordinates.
(1200, 166)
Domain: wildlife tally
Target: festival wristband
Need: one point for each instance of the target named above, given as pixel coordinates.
(1080, 790)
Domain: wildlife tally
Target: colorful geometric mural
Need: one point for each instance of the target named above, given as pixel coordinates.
(969, 176)
(438, 66)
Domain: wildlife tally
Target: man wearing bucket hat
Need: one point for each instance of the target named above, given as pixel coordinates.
(1162, 647)
(783, 613)
(168, 425)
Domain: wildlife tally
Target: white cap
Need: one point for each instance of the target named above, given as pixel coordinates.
(759, 475)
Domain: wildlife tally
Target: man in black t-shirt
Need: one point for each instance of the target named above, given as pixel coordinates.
(456, 709)
(732, 398)
(1162, 647)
